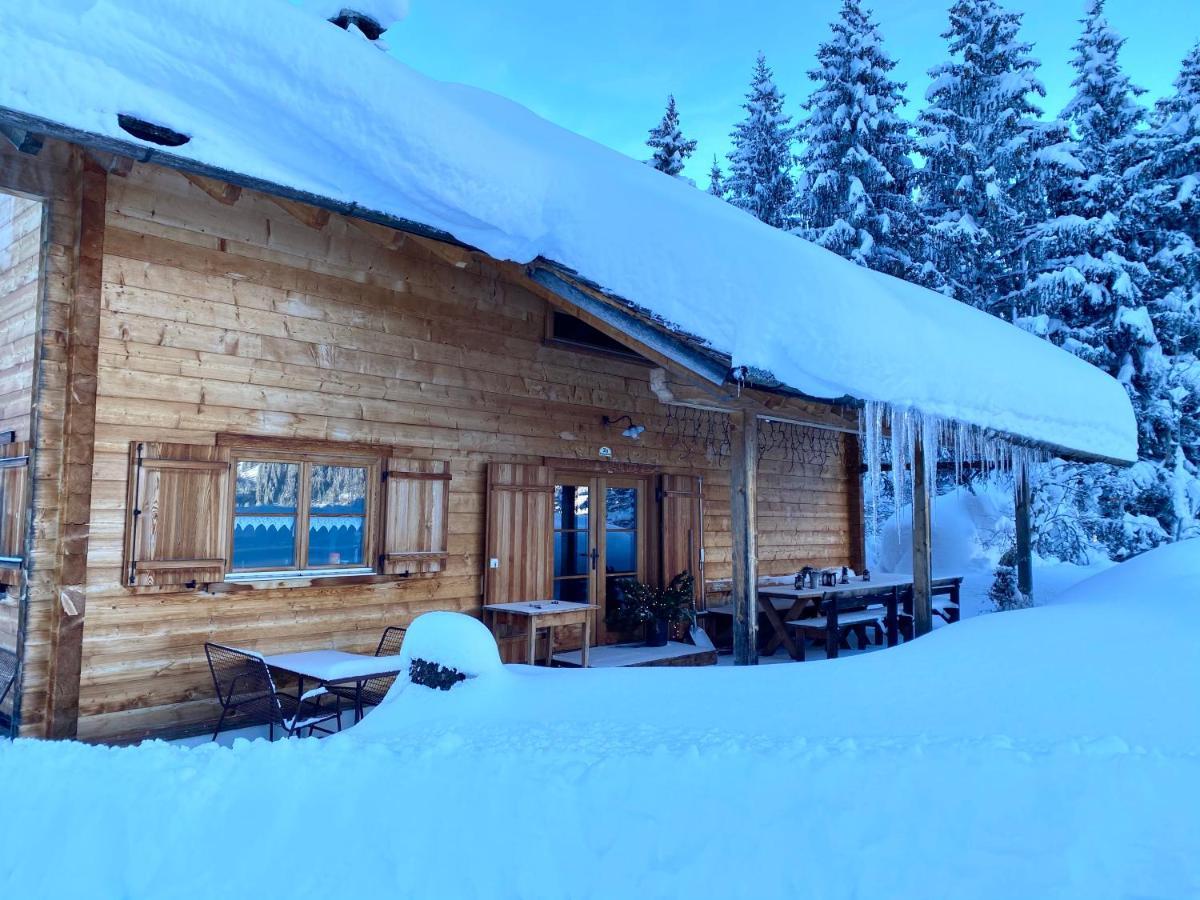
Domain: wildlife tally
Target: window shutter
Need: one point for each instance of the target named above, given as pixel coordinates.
(681, 511)
(14, 503)
(520, 533)
(176, 528)
(415, 517)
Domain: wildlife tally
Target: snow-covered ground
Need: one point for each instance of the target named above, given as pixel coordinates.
(1051, 752)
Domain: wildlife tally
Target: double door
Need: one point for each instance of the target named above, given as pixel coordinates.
(599, 537)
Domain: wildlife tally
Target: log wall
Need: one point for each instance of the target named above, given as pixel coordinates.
(20, 264)
(251, 318)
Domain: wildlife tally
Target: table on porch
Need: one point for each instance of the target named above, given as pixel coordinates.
(546, 614)
(781, 602)
(335, 667)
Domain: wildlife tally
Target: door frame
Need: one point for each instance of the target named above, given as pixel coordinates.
(647, 523)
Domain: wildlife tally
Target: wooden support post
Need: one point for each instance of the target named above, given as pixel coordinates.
(78, 446)
(1024, 534)
(922, 539)
(743, 491)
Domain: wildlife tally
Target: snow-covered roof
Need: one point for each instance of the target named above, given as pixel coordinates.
(284, 97)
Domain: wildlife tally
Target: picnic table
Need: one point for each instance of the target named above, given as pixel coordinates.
(547, 614)
(783, 603)
(331, 667)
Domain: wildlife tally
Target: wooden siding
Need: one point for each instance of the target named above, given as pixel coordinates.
(20, 258)
(55, 177)
(241, 318)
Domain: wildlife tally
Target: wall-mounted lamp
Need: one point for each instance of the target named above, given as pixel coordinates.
(633, 431)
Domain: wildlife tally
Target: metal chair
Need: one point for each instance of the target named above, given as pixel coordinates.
(8, 677)
(373, 689)
(246, 690)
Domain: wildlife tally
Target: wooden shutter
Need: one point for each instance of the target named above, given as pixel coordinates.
(681, 512)
(14, 505)
(177, 519)
(520, 533)
(415, 513)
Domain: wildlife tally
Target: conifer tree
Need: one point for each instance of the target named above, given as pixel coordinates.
(978, 136)
(761, 162)
(855, 193)
(671, 148)
(716, 179)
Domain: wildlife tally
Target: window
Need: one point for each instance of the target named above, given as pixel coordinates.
(562, 328)
(244, 511)
(301, 514)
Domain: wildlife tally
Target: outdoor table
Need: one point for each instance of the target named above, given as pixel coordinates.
(335, 667)
(546, 614)
(794, 601)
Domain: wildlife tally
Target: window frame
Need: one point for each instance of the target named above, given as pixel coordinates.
(372, 517)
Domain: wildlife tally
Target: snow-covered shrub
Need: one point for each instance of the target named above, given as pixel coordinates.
(443, 648)
(1004, 593)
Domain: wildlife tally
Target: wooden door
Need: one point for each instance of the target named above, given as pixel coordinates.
(519, 533)
(681, 529)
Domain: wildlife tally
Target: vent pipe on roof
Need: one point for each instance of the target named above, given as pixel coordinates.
(368, 25)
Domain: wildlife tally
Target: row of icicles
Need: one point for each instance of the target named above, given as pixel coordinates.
(886, 430)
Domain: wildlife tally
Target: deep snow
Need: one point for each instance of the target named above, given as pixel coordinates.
(1051, 752)
(289, 98)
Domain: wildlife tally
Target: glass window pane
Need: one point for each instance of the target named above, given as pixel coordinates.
(621, 507)
(267, 487)
(570, 553)
(570, 506)
(335, 540)
(338, 489)
(574, 590)
(264, 542)
(621, 550)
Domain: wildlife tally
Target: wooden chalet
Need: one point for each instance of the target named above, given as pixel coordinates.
(450, 429)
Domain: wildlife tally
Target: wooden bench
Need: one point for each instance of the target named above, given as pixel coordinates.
(946, 594)
(845, 611)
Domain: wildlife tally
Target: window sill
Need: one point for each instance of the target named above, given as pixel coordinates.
(278, 581)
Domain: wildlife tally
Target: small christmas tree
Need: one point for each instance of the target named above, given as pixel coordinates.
(716, 180)
(762, 161)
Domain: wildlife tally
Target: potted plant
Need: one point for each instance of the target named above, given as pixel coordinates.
(636, 605)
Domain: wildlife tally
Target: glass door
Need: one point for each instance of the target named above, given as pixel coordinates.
(599, 538)
(574, 559)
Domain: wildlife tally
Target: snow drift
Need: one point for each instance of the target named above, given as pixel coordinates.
(1051, 752)
(285, 97)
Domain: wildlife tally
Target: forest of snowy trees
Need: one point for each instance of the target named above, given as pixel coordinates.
(1081, 227)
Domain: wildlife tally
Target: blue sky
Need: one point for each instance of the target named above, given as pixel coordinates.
(604, 69)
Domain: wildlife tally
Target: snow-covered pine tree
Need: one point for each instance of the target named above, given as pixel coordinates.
(1167, 205)
(1094, 287)
(855, 191)
(716, 180)
(978, 135)
(761, 162)
(671, 148)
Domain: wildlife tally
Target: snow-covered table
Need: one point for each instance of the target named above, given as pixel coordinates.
(335, 667)
(547, 614)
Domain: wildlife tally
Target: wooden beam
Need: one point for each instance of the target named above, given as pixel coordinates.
(743, 498)
(696, 394)
(922, 540)
(222, 191)
(78, 440)
(1024, 533)
(21, 138)
(313, 216)
(856, 503)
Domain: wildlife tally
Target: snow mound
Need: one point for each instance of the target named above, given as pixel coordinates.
(965, 528)
(1172, 570)
(453, 640)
